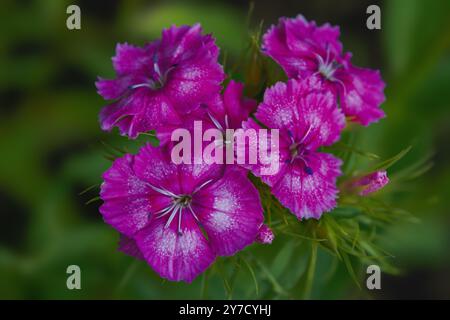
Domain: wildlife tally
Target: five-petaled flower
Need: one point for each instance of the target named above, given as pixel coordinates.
(302, 49)
(306, 116)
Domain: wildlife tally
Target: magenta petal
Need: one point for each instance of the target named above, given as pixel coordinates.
(120, 114)
(308, 195)
(372, 182)
(362, 93)
(194, 175)
(155, 111)
(176, 257)
(128, 201)
(303, 37)
(197, 76)
(111, 89)
(294, 43)
(187, 94)
(230, 109)
(194, 83)
(237, 107)
(139, 112)
(155, 166)
(230, 212)
(322, 117)
(267, 147)
(186, 121)
(275, 45)
(129, 247)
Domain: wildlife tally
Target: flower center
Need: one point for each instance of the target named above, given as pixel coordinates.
(158, 78)
(328, 66)
(327, 70)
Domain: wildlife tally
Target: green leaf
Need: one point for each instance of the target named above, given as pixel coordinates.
(309, 279)
(391, 161)
(272, 279)
(252, 273)
(350, 269)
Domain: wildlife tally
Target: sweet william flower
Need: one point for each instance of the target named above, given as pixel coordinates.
(371, 183)
(306, 116)
(160, 82)
(302, 48)
(179, 217)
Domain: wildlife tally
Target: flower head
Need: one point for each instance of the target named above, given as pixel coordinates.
(302, 48)
(307, 118)
(179, 217)
(371, 182)
(161, 82)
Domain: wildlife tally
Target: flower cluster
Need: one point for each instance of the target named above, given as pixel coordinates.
(179, 217)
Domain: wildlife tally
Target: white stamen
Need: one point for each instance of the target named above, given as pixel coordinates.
(142, 85)
(341, 83)
(226, 121)
(193, 213)
(163, 191)
(179, 220)
(165, 211)
(306, 134)
(172, 216)
(201, 186)
(157, 70)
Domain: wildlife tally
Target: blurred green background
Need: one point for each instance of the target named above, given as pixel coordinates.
(51, 148)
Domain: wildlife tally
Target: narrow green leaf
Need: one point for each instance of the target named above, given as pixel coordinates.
(88, 189)
(275, 284)
(391, 161)
(252, 273)
(204, 285)
(309, 280)
(92, 200)
(350, 269)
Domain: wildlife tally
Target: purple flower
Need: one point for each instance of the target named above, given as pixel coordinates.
(371, 182)
(307, 118)
(179, 217)
(161, 82)
(302, 48)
